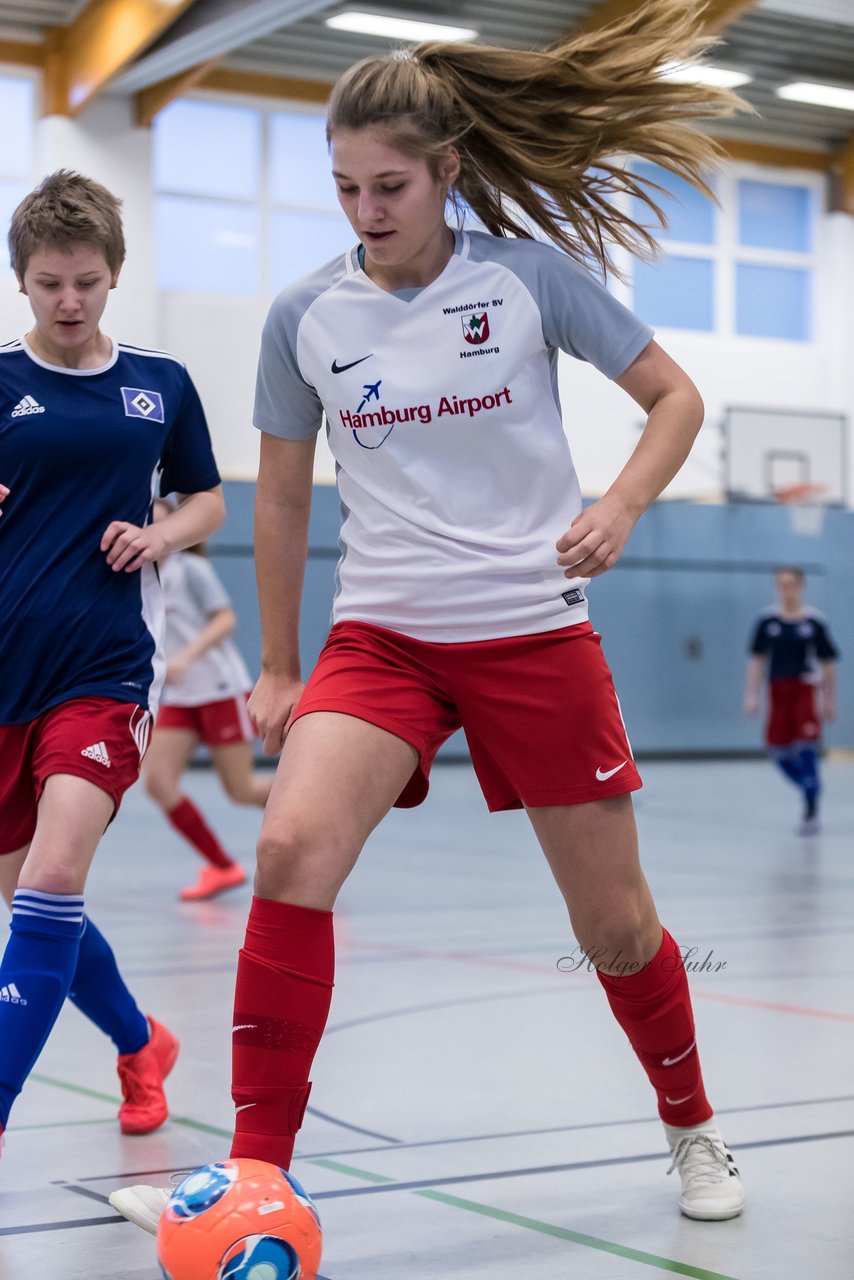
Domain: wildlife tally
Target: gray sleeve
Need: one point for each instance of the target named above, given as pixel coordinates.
(579, 315)
(204, 585)
(285, 403)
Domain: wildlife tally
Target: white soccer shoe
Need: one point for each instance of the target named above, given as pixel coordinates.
(712, 1189)
(142, 1205)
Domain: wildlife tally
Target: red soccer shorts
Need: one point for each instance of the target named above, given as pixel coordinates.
(217, 724)
(540, 713)
(97, 739)
(792, 713)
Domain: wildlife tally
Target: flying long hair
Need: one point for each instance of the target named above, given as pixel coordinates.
(544, 136)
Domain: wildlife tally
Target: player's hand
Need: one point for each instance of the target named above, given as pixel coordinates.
(129, 547)
(4, 493)
(271, 706)
(828, 708)
(751, 704)
(594, 541)
(177, 668)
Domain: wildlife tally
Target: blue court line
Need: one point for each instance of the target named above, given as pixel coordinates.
(573, 1128)
(354, 1128)
(496, 1175)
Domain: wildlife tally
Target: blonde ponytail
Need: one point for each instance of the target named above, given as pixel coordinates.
(543, 136)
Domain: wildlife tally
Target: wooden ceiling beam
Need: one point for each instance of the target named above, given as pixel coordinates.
(260, 85)
(149, 101)
(19, 53)
(82, 58)
(842, 197)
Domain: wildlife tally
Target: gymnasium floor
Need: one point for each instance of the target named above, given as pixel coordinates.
(477, 1112)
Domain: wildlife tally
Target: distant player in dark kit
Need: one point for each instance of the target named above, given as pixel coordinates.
(793, 650)
(87, 425)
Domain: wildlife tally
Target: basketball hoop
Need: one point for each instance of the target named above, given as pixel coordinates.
(806, 507)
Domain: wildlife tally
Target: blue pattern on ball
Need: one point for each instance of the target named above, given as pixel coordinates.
(301, 1194)
(201, 1190)
(276, 1257)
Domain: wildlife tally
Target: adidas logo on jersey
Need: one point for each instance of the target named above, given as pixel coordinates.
(11, 995)
(97, 751)
(25, 406)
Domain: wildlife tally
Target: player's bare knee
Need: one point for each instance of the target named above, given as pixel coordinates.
(297, 865)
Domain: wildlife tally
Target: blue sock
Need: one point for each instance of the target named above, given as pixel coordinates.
(99, 992)
(790, 763)
(808, 761)
(35, 974)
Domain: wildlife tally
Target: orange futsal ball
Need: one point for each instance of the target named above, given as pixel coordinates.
(239, 1220)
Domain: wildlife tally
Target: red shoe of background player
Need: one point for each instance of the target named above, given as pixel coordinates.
(214, 880)
(142, 1074)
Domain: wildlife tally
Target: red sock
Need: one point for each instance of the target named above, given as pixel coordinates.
(285, 975)
(653, 1007)
(186, 818)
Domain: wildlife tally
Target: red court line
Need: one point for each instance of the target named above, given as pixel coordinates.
(773, 1006)
(495, 962)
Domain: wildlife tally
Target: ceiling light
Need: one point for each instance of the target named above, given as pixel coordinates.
(377, 24)
(704, 73)
(818, 95)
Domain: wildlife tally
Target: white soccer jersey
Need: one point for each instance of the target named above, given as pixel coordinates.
(191, 593)
(443, 416)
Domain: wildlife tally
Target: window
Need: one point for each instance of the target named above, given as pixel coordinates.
(245, 198)
(745, 269)
(17, 111)
(207, 175)
(677, 290)
(774, 267)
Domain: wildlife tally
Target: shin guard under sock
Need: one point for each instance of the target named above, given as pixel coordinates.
(186, 819)
(285, 975)
(98, 990)
(653, 1007)
(35, 974)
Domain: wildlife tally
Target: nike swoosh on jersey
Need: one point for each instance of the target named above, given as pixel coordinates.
(601, 776)
(342, 368)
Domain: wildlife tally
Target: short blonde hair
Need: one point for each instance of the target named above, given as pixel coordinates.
(66, 208)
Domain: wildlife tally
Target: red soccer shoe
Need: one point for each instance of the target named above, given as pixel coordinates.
(212, 881)
(142, 1074)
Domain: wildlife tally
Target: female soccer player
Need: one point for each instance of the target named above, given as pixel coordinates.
(86, 424)
(204, 700)
(462, 587)
(792, 648)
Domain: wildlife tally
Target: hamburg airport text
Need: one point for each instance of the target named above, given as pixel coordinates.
(383, 417)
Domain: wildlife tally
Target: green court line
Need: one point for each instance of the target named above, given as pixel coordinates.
(80, 1089)
(533, 1224)
(59, 1124)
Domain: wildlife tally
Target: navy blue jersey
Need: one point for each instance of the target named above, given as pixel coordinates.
(80, 448)
(794, 648)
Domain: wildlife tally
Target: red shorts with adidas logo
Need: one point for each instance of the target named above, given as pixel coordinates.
(98, 739)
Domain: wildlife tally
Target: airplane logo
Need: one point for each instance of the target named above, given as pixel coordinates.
(372, 392)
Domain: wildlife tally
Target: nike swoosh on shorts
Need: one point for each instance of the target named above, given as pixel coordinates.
(603, 777)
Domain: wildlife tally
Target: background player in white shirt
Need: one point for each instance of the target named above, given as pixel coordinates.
(465, 552)
(203, 700)
(86, 426)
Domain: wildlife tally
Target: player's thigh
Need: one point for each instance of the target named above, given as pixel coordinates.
(169, 752)
(337, 778)
(233, 765)
(73, 814)
(10, 870)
